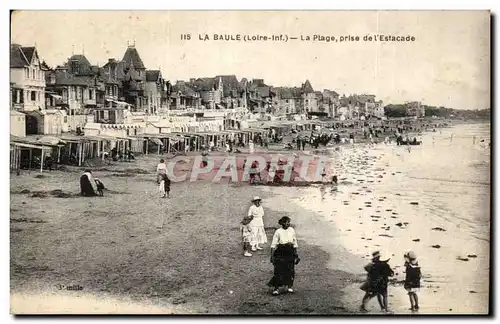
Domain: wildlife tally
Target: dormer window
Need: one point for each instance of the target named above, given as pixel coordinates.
(75, 68)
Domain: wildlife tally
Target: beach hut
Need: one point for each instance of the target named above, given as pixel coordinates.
(30, 151)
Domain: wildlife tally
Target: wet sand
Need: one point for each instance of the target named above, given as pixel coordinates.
(387, 201)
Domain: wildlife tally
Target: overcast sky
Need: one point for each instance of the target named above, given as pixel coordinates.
(448, 64)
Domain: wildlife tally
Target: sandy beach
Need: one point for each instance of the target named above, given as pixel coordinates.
(143, 254)
(178, 255)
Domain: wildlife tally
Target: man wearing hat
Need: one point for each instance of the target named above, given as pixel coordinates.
(257, 224)
(379, 272)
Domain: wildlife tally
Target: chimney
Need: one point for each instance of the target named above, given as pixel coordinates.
(192, 80)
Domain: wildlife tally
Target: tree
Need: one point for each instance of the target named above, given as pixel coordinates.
(394, 111)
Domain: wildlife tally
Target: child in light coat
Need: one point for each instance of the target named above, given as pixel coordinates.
(246, 235)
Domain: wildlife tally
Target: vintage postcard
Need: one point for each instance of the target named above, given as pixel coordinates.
(250, 162)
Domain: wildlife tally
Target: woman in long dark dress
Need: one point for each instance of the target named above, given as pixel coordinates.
(284, 257)
(86, 187)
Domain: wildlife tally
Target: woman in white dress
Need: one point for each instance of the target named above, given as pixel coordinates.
(257, 224)
(251, 147)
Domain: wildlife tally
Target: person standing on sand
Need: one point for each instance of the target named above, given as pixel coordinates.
(161, 168)
(257, 224)
(204, 158)
(254, 171)
(379, 272)
(412, 280)
(246, 235)
(284, 257)
(164, 187)
(251, 148)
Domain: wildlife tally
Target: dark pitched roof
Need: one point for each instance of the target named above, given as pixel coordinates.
(153, 75)
(21, 56)
(263, 91)
(344, 101)
(307, 88)
(95, 69)
(287, 92)
(185, 90)
(80, 58)
(44, 66)
(291, 93)
(131, 55)
(258, 82)
(113, 66)
(203, 84)
(29, 52)
(229, 83)
(65, 78)
(107, 77)
(330, 93)
(17, 57)
(243, 83)
(132, 74)
(84, 66)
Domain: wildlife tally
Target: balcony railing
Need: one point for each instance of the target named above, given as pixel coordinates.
(18, 106)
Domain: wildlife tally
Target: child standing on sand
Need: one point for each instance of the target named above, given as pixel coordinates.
(412, 280)
(378, 273)
(246, 235)
(164, 187)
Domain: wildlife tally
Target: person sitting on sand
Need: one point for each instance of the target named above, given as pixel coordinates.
(284, 257)
(87, 184)
(379, 272)
(246, 235)
(335, 180)
(412, 280)
(100, 187)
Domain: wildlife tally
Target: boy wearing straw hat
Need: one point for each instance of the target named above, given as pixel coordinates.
(379, 272)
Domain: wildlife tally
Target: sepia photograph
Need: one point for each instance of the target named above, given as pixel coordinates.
(223, 162)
